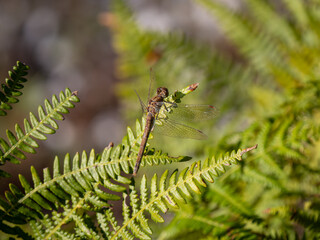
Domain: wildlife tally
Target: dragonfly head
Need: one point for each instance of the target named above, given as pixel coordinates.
(163, 92)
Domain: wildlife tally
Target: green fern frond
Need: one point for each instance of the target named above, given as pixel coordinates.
(50, 227)
(273, 42)
(252, 43)
(53, 192)
(255, 176)
(16, 231)
(285, 170)
(189, 225)
(279, 28)
(282, 137)
(85, 177)
(308, 220)
(36, 127)
(230, 199)
(304, 217)
(11, 89)
(166, 192)
(170, 192)
(81, 185)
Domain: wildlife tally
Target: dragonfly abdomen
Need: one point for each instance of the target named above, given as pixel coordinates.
(146, 133)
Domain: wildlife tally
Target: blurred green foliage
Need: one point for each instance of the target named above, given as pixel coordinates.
(268, 95)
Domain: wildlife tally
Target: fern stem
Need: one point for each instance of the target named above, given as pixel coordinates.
(74, 172)
(111, 222)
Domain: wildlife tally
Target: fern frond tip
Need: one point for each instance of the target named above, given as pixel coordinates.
(248, 149)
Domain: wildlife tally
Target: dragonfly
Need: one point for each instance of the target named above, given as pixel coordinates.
(163, 114)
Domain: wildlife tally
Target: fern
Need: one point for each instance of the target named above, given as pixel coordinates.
(274, 47)
(276, 106)
(36, 127)
(82, 184)
(168, 192)
(11, 89)
(85, 181)
(284, 173)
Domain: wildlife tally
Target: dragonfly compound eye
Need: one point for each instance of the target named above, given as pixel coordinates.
(163, 92)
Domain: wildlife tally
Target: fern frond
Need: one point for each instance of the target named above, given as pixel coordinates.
(255, 176)
(281, 137)
(279, 28)
(11, 89)
(189, 225)
(164, 196)
(103, 222)
(55, 191)
(253, 44)
(308, 220)
(36, 127)
(230, 199)
(306, 217)
(299, 10)
(16, 231)
(84, 177)
(271, 41)
(50, 227)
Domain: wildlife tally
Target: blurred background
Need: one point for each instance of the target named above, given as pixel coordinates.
(65, 45)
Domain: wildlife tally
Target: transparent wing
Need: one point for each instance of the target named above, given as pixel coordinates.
(191, 112)
(143, 106)
(152, 79)
(172, 128)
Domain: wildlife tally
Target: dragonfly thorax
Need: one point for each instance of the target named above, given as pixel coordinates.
(156, 102)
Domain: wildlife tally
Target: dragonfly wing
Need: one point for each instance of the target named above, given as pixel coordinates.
(143, 106)
(152, 79)
(191, 112)
(174, 129)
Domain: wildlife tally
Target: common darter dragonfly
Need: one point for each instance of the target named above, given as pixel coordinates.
(163, 113)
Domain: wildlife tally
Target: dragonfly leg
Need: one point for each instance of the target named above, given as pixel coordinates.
(168, 108)
(165, 107)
